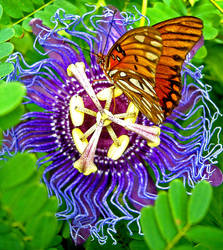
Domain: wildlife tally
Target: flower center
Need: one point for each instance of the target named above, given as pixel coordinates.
(104, 117)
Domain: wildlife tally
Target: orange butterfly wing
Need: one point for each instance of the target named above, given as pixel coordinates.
(179, 36)
(131, 65)
(146, 64)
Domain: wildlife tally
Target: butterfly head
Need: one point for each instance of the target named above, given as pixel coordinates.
(100, 59)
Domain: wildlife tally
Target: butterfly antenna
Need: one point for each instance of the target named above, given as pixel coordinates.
(115, 11)
(89, 51)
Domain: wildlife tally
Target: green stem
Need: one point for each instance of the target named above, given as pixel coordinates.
(216, 5)
(144, 8)
(180, 234)
(42, 7)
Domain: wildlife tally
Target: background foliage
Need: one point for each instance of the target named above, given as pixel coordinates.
(177, 221)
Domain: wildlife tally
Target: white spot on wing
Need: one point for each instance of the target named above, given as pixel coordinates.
(146, 102)
(140, 38)
(149, 87)
(126, 86)
(156, 44)
(135, 82)
(111, 73)
(122, 74)
(151, 56)
(158, 37)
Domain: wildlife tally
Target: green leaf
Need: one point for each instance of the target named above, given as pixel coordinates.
(56, 241)
(199, 202)
(179, 6)
(150, 229)
(27, 206)
(6, 34)
(178, 203)
(210, 32)
(5, 227)
(12, 8)
(26, 5)
(25, 24)
(5, 69)
(161, 12)
(42, 228)
(38, 2)
(24, 44)
(16, 170)
(66, 231)
(11, 95)
(137, 245)
(11, 241)
(1, 11)
(18, 30)
(210, 237)
(184, 247)
(201, 53)
(51, 205)
(12, 118)
(164, 217)
(6, 49)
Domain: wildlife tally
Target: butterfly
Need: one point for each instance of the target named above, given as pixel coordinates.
(146, 62)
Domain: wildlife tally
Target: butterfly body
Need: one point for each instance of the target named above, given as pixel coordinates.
(146, 64)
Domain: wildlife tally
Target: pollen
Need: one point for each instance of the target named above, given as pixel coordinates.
(116, 151)
(76, 116)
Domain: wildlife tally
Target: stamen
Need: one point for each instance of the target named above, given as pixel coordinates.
(115, 151)
(86, 164)
(89, 132)
(76, 116)
(109, 99)
(149, 133)
(103, 94)
(78, 70)
(87, 111)
(113, 135)
(79, 140)
(125, 115)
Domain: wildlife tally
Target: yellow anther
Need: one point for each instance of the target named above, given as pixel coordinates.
(155, 143)
(104, 94)
(132, 109)
(80, 143)
(77, 117)
(156, 140)
(73, 67)
(115, 151)
(80, 165)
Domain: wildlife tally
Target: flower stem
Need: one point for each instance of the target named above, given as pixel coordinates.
(216, 5)
(144, 8)
(180, 234)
